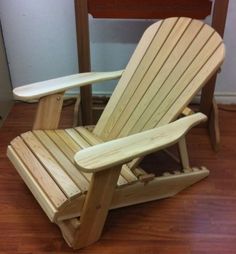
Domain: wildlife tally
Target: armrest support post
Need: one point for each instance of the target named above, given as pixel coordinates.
(48, 112)
(183, 152)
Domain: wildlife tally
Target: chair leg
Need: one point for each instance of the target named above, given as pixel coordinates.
(96, 207)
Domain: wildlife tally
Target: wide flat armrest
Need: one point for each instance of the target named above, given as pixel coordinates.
(123, 150)
(40, 89)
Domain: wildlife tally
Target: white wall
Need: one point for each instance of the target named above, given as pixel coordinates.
(41, 43)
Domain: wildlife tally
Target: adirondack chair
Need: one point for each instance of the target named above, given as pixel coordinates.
(78, 174)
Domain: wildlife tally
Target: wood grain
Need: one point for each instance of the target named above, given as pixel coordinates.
(200, 219)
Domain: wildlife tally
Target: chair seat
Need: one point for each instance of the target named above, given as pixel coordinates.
(45, 160)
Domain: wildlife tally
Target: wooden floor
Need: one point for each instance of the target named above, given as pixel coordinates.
(202, 219)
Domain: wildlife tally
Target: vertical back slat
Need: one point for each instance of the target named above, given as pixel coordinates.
(169, 56)
(131, 68)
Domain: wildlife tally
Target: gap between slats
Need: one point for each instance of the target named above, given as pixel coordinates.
(204, 55)
(38, 172)
(61, 178)
(93, 140)
(150, 55)
(154, 79)
(169, 83)
(81, 182)
(128, 74)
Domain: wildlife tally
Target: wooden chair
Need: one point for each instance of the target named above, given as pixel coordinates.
(78, 174)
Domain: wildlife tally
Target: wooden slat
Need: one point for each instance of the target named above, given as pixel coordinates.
(176, 50)
(203, 76)
(96, 207)
(127, 75)
(122, 150)
(38, 172)
(94, 140)
(61, 158)
(65, 183)
(65, 148)
(41, 196)
(165, 34)
(75, 134)
(158, 73)
(77, 138)
(60, 143)
(68, 140)
(91, 138)
(179, 77)
(59, 85)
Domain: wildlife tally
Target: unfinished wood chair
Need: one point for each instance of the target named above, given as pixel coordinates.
(78, 174)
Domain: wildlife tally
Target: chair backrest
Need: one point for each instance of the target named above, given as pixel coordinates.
(171, 63)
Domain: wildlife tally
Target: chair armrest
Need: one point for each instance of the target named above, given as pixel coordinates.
(52, 86)
(123, 150)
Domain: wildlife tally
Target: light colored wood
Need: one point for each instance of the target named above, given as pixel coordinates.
(30, 180)
(40, 175)
(126, 175)
(142, 175)
(183, 153)
(141, 60)
(172, 86)
(80, 140)
(187, 111)
(123, 150)
(133, 64)
(174, 59)
(203, 76)
(96, 207)
(48, 112)
(160, 187)
(69, 147)
(65, 183)
(153, 79)
(58, 85)
(134, 163)
(165, 70)
(139, 192)
(69, 167)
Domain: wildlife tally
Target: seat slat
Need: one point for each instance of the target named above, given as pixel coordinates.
(61, 158)
(60, 143)
(75, 147)
(45, 202)
(67, 150)
(81, 141)
(38, 172)
(50, 164)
